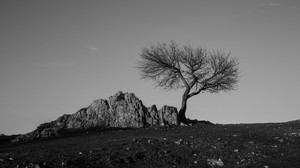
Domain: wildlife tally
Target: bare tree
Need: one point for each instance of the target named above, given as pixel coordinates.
(194, 69)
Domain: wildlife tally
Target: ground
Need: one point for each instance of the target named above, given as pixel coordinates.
(239, 145)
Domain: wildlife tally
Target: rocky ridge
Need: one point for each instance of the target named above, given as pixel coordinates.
(123, 110)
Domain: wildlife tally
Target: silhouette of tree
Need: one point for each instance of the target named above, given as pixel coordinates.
(194, 69)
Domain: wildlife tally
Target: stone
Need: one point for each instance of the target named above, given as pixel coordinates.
(180, 141)
(127, 110)
(120, 110)
(152, 116)
(98, 114)
(214, 162)
(168, 115)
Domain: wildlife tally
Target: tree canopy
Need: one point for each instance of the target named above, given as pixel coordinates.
(196, 69)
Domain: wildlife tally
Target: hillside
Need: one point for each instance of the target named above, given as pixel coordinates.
(200, 145)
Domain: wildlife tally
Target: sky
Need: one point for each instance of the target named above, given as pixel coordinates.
(58, 56)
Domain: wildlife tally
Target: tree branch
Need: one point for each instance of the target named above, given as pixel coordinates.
(173, 67)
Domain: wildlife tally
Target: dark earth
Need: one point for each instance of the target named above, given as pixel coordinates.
(202, 145)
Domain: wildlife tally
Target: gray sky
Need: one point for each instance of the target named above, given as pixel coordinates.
(59, 56)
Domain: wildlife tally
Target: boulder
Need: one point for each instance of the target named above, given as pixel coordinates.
(95, 115)
(126, 110)
(98, 114)
(168, 115)
(120, 110)
(152, 116)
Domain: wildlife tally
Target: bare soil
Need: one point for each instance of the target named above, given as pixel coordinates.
(268, 145)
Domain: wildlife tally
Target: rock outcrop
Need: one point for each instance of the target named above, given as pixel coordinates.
(120, 110)
(167, 115)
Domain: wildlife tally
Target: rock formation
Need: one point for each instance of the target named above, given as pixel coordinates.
(120, 110)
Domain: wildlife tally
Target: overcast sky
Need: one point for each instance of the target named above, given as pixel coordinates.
(58, 56)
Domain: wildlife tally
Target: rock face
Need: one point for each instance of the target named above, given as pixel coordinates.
(120, 110)
(168, 115)
(126, 110)
(152, 116)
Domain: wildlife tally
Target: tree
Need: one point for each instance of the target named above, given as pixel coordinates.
(195, 69)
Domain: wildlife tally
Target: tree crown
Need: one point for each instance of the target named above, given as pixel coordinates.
(172, 66)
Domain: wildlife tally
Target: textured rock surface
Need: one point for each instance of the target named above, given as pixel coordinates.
(152, 116)
(168, 116)
(120, 110)
(126, 110)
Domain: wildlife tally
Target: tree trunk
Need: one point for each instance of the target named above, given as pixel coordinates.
(182, 110)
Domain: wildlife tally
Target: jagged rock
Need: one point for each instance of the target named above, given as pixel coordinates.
(127, 110)
(168, 115)
(61, 121)
(152, 116)
(120, 110)
(98, 114)
(95, 115)
(49, 132)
